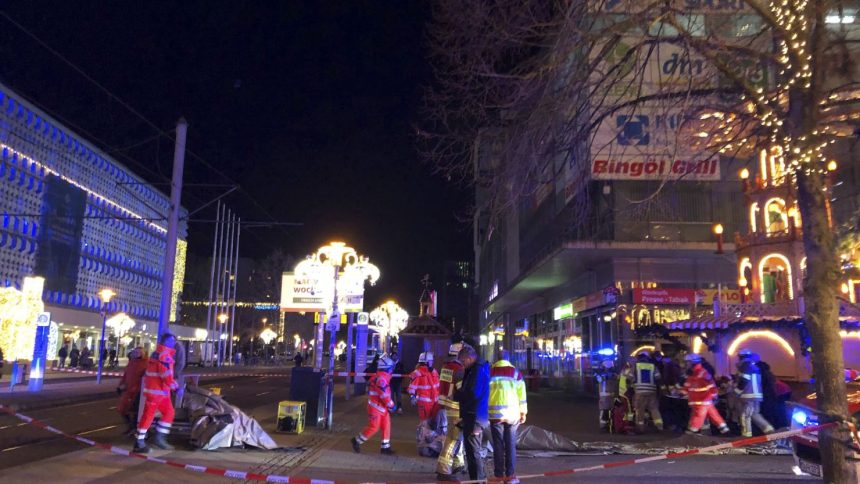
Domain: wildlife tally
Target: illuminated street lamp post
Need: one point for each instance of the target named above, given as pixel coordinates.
(105, 295)
(222, 318)
(390, 320)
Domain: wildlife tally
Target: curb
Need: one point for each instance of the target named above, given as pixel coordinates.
(42, 404)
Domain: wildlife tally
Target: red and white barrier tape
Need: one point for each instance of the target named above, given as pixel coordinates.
(336, 373)
(305, 480)
(671, 455)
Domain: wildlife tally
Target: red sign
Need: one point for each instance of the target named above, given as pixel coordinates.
(672, 296)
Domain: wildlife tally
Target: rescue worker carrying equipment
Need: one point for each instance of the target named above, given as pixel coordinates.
(379, 406)
(452, 459)
(701, 391)
(129, 387)
(157, 383)
(748, 387)
(423, 388)
(644, 375)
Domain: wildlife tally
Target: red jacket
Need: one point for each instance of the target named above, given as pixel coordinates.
(452, 374)
(158, 379)
(700, 387)
(379, 393)
(424, 385)
(132, 375)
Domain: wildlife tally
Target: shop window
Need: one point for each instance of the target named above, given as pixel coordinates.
(775, 216)
(775, 277)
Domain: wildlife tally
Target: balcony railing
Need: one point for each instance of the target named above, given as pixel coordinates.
(755, 238)
(782, 309)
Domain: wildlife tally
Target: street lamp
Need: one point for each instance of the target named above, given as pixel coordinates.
(222, 318)
(120, 324)
(105, 295)
(390, 320)
(718, 231)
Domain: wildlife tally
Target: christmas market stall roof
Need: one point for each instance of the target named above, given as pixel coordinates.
(424, 333)
(425, 325)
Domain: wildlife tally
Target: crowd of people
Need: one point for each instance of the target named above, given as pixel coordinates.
(454, 407)
(684, 394)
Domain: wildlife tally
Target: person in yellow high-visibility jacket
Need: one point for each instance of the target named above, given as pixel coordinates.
(508, 409)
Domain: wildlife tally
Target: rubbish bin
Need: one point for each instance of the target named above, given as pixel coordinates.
(308, 385)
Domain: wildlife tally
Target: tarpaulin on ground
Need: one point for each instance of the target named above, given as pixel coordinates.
(217, 424)
(537, 442)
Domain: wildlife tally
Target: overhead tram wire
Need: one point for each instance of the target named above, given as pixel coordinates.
(155, 127)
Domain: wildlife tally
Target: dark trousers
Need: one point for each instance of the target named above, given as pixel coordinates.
(504, 448)
(396, 394)
(472, 433)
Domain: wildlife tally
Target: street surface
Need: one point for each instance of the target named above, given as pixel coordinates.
(28, 454)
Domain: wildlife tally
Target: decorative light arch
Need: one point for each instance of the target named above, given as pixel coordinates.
(783, 213)
(745, 263)
(765, 334)
(643, 348)
(776, 255)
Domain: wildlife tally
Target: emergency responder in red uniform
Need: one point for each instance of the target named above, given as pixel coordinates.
(452, 459)
(423, 388)
(379, 407)
(129, 387)
(157, 383)
(701, 391)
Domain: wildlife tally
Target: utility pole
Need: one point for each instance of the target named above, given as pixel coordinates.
(172, 227)
(235, 280)
(210, 328)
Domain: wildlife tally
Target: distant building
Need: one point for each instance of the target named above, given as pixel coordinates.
(455, 298)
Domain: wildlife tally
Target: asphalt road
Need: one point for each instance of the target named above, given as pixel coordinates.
(22, 444)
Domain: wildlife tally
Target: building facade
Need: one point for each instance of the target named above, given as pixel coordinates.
(83, 222)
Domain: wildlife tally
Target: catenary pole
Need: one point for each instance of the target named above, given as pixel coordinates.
(208, 349)
(235, 283)
(172, 227)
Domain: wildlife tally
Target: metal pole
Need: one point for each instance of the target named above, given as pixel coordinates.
(235, 283)
(222, 281)
(210, 329)
(228, 265)
(318, 343)
(350, 321)
(102, 343)
(172, 228)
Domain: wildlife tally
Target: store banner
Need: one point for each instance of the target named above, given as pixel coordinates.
(669, 296)
(731, 296)
(309, 294)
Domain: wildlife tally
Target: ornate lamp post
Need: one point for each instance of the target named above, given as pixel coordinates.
(222, 318)
(390, 320)
(105, 295)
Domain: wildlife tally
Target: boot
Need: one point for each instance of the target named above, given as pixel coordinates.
(140, 447)
(161, 442)
(446, 477)
(724, 429)
(356, 445)
(386, 451)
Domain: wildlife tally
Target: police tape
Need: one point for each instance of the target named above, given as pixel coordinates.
(107, 373)
(234, 474)
(671, 455)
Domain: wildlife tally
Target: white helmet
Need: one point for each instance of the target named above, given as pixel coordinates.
(454, 349)
(426, 358)
(385, 363)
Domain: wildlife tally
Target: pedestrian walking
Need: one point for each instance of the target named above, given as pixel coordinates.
(298, 360)
(474, 397)
(86, 360)
(749, 389)
(397, 384)
(129, 387)
(157, 383)
(62, 355)
(74, 356)
(644, 375)
(379, 407)
(451, 459)
(179, 362)
(508, 408)
(701, 391)
(672, 409)
(112, 358)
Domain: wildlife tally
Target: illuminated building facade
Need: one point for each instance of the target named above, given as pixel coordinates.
(74, 216)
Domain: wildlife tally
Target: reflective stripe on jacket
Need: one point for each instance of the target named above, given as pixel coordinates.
(424, 385)
(451, 375)
(158, 378)
(507, 393)
(700, 387)
(379, 393)
(645, 377)
(749, 381)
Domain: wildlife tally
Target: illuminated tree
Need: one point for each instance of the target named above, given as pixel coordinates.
(535, 84)
(18, 312)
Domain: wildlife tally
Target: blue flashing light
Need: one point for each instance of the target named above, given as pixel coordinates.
(606, 352)
(800, 417)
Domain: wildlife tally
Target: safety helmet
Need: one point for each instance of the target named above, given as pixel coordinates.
(385, 363)
(426, 358)
(693, 358)
(643, 354)
(608, 364)
(454, 349)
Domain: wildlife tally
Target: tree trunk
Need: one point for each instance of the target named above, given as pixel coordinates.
(821, 317)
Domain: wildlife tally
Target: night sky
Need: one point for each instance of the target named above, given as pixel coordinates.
(307, 105)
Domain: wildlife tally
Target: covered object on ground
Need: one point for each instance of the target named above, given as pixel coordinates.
(216, 424)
